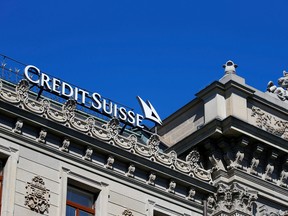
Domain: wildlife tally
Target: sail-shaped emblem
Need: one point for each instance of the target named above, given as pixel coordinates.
(149, 111)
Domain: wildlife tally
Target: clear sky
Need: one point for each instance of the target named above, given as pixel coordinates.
(164, 51)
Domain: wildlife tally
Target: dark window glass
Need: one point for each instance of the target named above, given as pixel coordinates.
(79, 202)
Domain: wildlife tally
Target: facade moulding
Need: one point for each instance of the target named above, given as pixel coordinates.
(201, 187)
(108, 132)
(97, 137)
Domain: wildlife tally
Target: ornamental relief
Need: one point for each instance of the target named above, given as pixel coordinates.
(108, 132)
(231, 198)
(37, 196)
(270, 123)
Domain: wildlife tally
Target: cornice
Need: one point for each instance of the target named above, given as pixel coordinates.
(65, 122)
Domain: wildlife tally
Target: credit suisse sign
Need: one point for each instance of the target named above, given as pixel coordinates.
(91, 100)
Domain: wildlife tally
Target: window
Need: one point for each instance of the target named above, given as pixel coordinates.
(79, 202)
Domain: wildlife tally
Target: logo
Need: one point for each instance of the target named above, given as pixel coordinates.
(149, 111)
(91, 100)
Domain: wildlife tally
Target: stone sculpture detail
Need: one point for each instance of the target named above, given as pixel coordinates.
(37, 196)
(191, 194)
(65, 145)
(110, 161)
(232, 198)
(281, 90)
(151, 179)
(172, 186)
(88, 154)
(131, 170)
(42, 136)
(18, 127)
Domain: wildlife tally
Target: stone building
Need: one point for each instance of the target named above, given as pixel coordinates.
(224, 153)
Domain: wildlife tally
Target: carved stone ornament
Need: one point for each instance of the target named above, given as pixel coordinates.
(110, 162)
(281, 90)
(37, 196)
(193, 158)
(153, 143)
(172, 186)
(151, 179)
(88, 154)
(65, 145)
(22, 89)
(127, 212)
(131, 170)
(270, 123)
(232, 198)
(69, 108)
(283, 178)
(256, 159)
(191, 194)
(42, 136)
(18, 127)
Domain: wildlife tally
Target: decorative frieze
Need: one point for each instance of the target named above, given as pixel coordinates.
(270, 123)
(37, 196)
(108, 132)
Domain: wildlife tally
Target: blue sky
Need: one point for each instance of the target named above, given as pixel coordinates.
(164, 51)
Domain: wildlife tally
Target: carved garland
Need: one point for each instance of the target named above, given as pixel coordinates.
(108, 132)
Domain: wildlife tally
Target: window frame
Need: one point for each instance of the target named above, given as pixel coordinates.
(78, 207)
(74, 176)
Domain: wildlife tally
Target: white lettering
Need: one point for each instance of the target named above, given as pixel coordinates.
(122, 114)
(96, 100)
(55, 85)
(33, 70)
(83, 95)
(105, 106)
(44, 81)
(34, 76)
(66, 86)
(131, 117)
(139, 119)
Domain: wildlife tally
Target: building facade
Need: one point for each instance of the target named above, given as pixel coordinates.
(224, 153)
